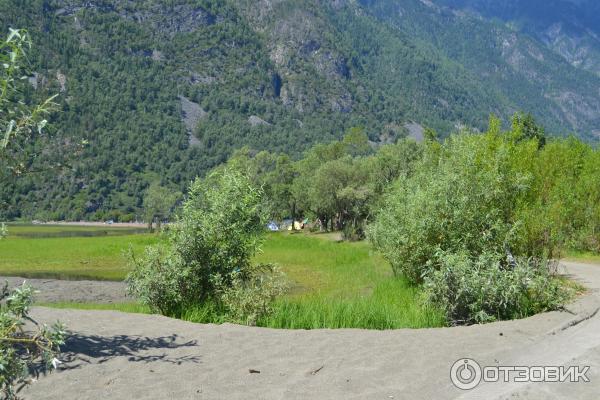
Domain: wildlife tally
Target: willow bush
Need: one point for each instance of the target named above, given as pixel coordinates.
(482, 290)
(206, 255)
(24, 349)
(483, 213)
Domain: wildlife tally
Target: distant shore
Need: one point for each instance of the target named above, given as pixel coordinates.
(91, 223)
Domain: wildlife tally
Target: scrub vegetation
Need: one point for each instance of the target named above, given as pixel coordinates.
(330, 284)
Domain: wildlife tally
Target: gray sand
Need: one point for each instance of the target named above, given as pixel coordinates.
(56, 291)
(113, 355)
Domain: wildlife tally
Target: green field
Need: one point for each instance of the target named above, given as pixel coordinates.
(584, 257)
(315, 264)
(341, 285)
(332, 284)
(69, 252)
(63, 230)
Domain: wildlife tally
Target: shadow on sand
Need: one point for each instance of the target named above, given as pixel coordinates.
(81, 349)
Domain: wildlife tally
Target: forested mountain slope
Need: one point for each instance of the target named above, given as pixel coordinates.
(522, 69)
(165, 90)
(571, 28)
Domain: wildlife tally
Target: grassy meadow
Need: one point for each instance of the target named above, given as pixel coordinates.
(584, 257)
(69, 252)
(331, 284)
(64, 230)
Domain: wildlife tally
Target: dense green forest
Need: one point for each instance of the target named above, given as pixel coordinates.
(163, 91)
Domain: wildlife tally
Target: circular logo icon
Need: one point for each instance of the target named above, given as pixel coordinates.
(465, 374)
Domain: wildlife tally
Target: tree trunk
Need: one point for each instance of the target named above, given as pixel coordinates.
(323, 226)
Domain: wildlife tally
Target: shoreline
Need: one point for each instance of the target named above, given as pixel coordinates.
(86, 223)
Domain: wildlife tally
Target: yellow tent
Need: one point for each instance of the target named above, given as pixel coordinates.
(295, 226)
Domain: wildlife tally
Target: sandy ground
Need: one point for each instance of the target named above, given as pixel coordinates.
(56, 291)
(112, 355)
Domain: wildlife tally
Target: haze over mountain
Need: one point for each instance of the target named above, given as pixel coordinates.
(165, 90)
(571, 28)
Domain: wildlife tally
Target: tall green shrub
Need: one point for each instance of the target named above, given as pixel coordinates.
(587, 237)
(463, 197)
(208, 251)
(564, 211)
(483, 290)
(477, 221)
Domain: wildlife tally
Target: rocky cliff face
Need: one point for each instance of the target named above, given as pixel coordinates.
(298, 49)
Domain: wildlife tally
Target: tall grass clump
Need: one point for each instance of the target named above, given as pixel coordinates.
(479, 219)
(393, 304)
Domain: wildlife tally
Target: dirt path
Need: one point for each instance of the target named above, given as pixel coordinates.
(124, 356)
